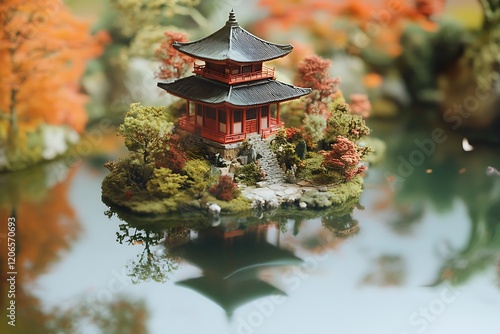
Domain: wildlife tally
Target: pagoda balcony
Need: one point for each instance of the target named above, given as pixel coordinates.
(265, 73)
(188, 125)
(219, 137)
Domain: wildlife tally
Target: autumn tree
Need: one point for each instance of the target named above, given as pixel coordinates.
(174, 64)
(313, 73)
(43, 52)
(344, 158)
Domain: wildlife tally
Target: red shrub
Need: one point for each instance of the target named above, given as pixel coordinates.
(293, 135)
(174, 158)
(225, 190)
(344, 158)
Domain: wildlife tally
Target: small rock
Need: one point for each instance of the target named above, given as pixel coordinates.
(323, 189)
(261, 184)
(302, 205)
(272, 204)
(234, 166)
(214, 209)
(304, 183)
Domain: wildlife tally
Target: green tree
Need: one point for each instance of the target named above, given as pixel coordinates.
(343, 123)
(146, 130)
(314, 126)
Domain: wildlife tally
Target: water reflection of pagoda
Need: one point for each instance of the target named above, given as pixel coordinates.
(232, 94)
(231, 261)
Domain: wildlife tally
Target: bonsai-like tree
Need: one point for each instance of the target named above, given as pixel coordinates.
(344, 158)
(174, 64)
(146, 130)
(313, 73)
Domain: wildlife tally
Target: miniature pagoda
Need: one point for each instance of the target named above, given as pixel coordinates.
(232, 94)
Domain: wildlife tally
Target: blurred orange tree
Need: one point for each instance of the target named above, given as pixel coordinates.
(43, 52)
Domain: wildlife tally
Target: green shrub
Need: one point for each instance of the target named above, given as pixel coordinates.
(199, 178)
(249, 174)
(165, 183)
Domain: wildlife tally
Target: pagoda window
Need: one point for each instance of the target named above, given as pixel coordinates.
(199, 114)
(210, 113)
(246, 69)
(237, 121)
(191, 108)
(273, 110)
(215, 67)
(257, 67)
(251, 114)
(264, 117)
(222, 120)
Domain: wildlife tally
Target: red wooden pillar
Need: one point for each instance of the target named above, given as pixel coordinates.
(268, 116)
(227, 120)
(278, 113)
(259, 117)
(244, 121)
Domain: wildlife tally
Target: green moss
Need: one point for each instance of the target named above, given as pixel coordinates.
(337, 195)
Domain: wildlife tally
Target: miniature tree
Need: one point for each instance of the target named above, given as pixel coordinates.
(198, 173)
(344, 158)
(360, 105)
(38, 41)
(343, 123)
(146, 130)
(173, 156)
(314, 126)
(313, 73)
(174, 64)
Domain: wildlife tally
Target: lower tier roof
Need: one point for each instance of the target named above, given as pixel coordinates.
(200, 89)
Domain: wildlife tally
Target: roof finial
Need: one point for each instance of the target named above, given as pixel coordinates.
(232, 19)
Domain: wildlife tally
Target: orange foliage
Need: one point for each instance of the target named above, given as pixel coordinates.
(43, 52)
(174, 64)
(44, 228)
(381, 21)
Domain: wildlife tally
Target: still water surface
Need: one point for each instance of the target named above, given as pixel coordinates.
(419, 254)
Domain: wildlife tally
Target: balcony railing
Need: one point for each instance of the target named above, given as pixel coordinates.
(272, 129)
(265, 73)
(223, 138)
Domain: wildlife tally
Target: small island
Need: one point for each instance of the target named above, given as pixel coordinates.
(224, 146)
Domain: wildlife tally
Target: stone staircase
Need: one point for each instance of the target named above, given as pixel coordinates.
(268, 162)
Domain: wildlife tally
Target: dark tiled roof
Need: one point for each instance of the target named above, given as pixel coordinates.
(197, 88)
(232, 42)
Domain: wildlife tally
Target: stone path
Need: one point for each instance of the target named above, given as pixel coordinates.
(268, 163)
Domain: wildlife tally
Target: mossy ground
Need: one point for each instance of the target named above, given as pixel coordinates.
(143, 202)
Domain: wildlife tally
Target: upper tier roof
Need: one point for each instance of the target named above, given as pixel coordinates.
(232, 42)
(264, 91)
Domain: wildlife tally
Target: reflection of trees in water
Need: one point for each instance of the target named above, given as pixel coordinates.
(387, 270)
(47, 225)
(149, 265)
(446, 175)
(341, 226)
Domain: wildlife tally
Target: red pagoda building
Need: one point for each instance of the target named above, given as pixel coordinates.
(232, 94)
